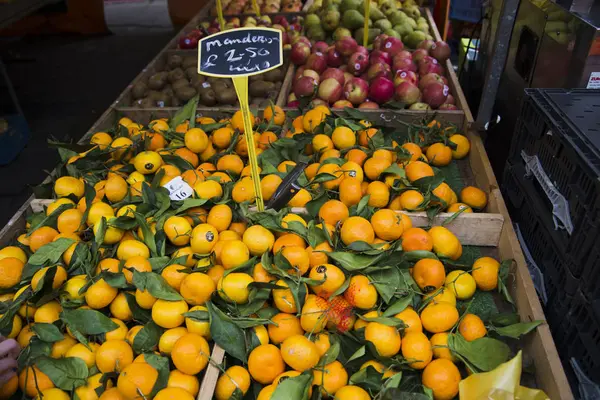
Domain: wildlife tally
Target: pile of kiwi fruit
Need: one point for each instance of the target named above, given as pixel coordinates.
(180, 81)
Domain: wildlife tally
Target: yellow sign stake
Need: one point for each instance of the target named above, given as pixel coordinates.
(366, 27)
(241, 88)
(256, 8)
(220, 15)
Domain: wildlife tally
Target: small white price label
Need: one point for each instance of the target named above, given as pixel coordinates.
(179, 189)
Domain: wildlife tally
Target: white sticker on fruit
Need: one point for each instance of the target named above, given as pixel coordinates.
(205, 85)
(357, 66)
(594, 81)
(179, 189)
(388, 45)
(318, 53)
(446, 90)
(403, 74)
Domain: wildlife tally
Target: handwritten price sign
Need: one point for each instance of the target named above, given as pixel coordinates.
(240, 52)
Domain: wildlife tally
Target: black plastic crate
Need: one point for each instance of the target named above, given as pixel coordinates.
(591, 275)
(557, 310)
(523, 140)
(573, 248)
(572, 151)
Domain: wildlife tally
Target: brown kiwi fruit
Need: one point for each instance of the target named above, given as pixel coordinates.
(174, 61)
(194, 80)
(226, 96)
(179, 83)
(139, 90)
(192, 72)
(168, 91)
(189, 61)
(185, 93)
(156, 82)
(176, 75)
(163, 100)
(275, 75)
(154, 94)
(257, 89)
(146, 103)
(207, 97)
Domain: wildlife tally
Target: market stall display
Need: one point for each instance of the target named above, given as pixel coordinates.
(415, 166)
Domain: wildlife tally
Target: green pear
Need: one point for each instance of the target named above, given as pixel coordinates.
(331, 20)
(375, 13)
(341, 32)
(391, 32)
(383, 24)
(397, 18)
(353, 19)
(403, 29)
(346, 5)
(388, 7)
(316, 33)
(373, 33)
(312, 20)
(414, 38)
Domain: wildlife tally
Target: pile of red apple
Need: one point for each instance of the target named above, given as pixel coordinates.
(346, 74)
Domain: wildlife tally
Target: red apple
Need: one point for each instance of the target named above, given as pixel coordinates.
(356, 90)
(426, 44)
(430, 78)
(320, 47)
(298, 72)
(427, 68)
(291, 97)
(347, 76)
(188, 42)
(319, 102)
(342, 104)
(305, 40)
(305, 87)
(379, 69)
(381, 90)
(405, 76)
(333, 57)
(346, 46)
(330, 90)
(408, 93)
(419, 54)
(358, 63)
(293, 104)
(369, 105)
(403, 54)
(316, 62)
(404, 64)
(435, 94)
(440, 51)
(392, 45)
(362, 49)
(378, 42)
(450, 99)
(380, 56)
(299, 53)
(427, 59)
(313, 74)
(335, 74)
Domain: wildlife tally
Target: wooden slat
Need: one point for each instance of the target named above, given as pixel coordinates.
(209, 382)
(472, 229)
(286, 86)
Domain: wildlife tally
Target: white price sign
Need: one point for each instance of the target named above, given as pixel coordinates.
(179, 189)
